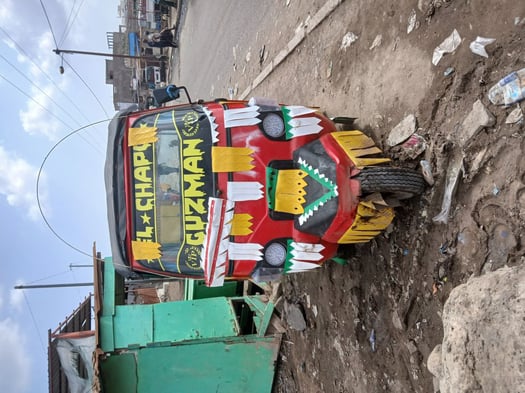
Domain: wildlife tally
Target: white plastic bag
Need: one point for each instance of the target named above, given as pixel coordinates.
(478, 46)
(450, 44)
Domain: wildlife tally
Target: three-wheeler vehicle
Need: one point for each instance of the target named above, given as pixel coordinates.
(242, 189)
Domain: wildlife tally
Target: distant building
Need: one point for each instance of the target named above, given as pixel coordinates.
(134, 78)
(79, 323)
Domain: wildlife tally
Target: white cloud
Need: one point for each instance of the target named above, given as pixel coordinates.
(37, 120)
(17, 183)
(16, 297)
(15, 364)
(6, 11)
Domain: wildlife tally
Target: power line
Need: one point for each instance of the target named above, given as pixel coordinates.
(48, 277)
(49, 23)
(21, 50)
(35, 101)
(34, 322)
(40, 89)
(88, 87)
(38, 187)
(69, 22)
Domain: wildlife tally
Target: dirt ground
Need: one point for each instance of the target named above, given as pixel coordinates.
(394, 288)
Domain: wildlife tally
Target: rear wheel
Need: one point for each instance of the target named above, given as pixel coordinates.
(401, 183)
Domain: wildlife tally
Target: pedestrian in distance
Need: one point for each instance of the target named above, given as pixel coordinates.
(161, 40)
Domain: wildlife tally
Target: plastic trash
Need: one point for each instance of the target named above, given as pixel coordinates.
(412, 21)
(449, 71)
(453, 172)
(348, 39)
(508, 90)
(450, 44)
(426, 169)
(516, 116)
(377, 42)
(414, 146)
(478, 46)
(372, 340)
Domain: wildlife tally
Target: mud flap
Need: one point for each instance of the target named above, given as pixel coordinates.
(357, 146)
(369, 221)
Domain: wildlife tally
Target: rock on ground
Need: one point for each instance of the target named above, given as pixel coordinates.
(483, 348)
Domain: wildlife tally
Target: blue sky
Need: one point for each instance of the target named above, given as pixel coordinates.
(71, 185)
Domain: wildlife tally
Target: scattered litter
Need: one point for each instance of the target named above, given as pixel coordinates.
(478, 119)
(450, 44)
(377, 42)
(475, 165)
(411, 21)
(348, 39)
(248, 55)
(406, 251)
(509, 90)
(449, 71)
(454, 170)
(372, 340)
(495, 190)
(230, 93)
(329, 70)
(340, 260)
(426, 169)
(262, 54)
(402, 131)
(443, 248)
(518, 21)
(478, 46)
(436, 287)
(515, 116)
(414, 146)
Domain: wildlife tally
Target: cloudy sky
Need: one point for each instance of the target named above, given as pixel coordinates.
(40, 107)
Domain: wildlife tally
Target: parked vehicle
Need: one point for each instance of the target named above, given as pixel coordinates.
(235, 190)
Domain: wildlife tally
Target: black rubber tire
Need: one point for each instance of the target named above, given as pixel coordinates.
(400, 182)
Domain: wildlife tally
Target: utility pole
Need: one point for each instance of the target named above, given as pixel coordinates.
(78, 284)
(80, 52)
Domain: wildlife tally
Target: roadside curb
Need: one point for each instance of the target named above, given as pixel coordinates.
(299, 36)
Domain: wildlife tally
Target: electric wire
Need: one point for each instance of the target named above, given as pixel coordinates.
(88, 87)
(40, 89)
(34, 321)
(69, 24)
(48, 277)
(38, 186)
(51, 113)
(46, 221)
(35, 101)
(49, 23)
(22, 51)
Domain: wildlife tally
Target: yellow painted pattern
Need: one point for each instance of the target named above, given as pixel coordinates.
(357, 146)
(231, 159)
(145, 250)
(241, 224)
(289, 195)
(142, 135)
(368, 223)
